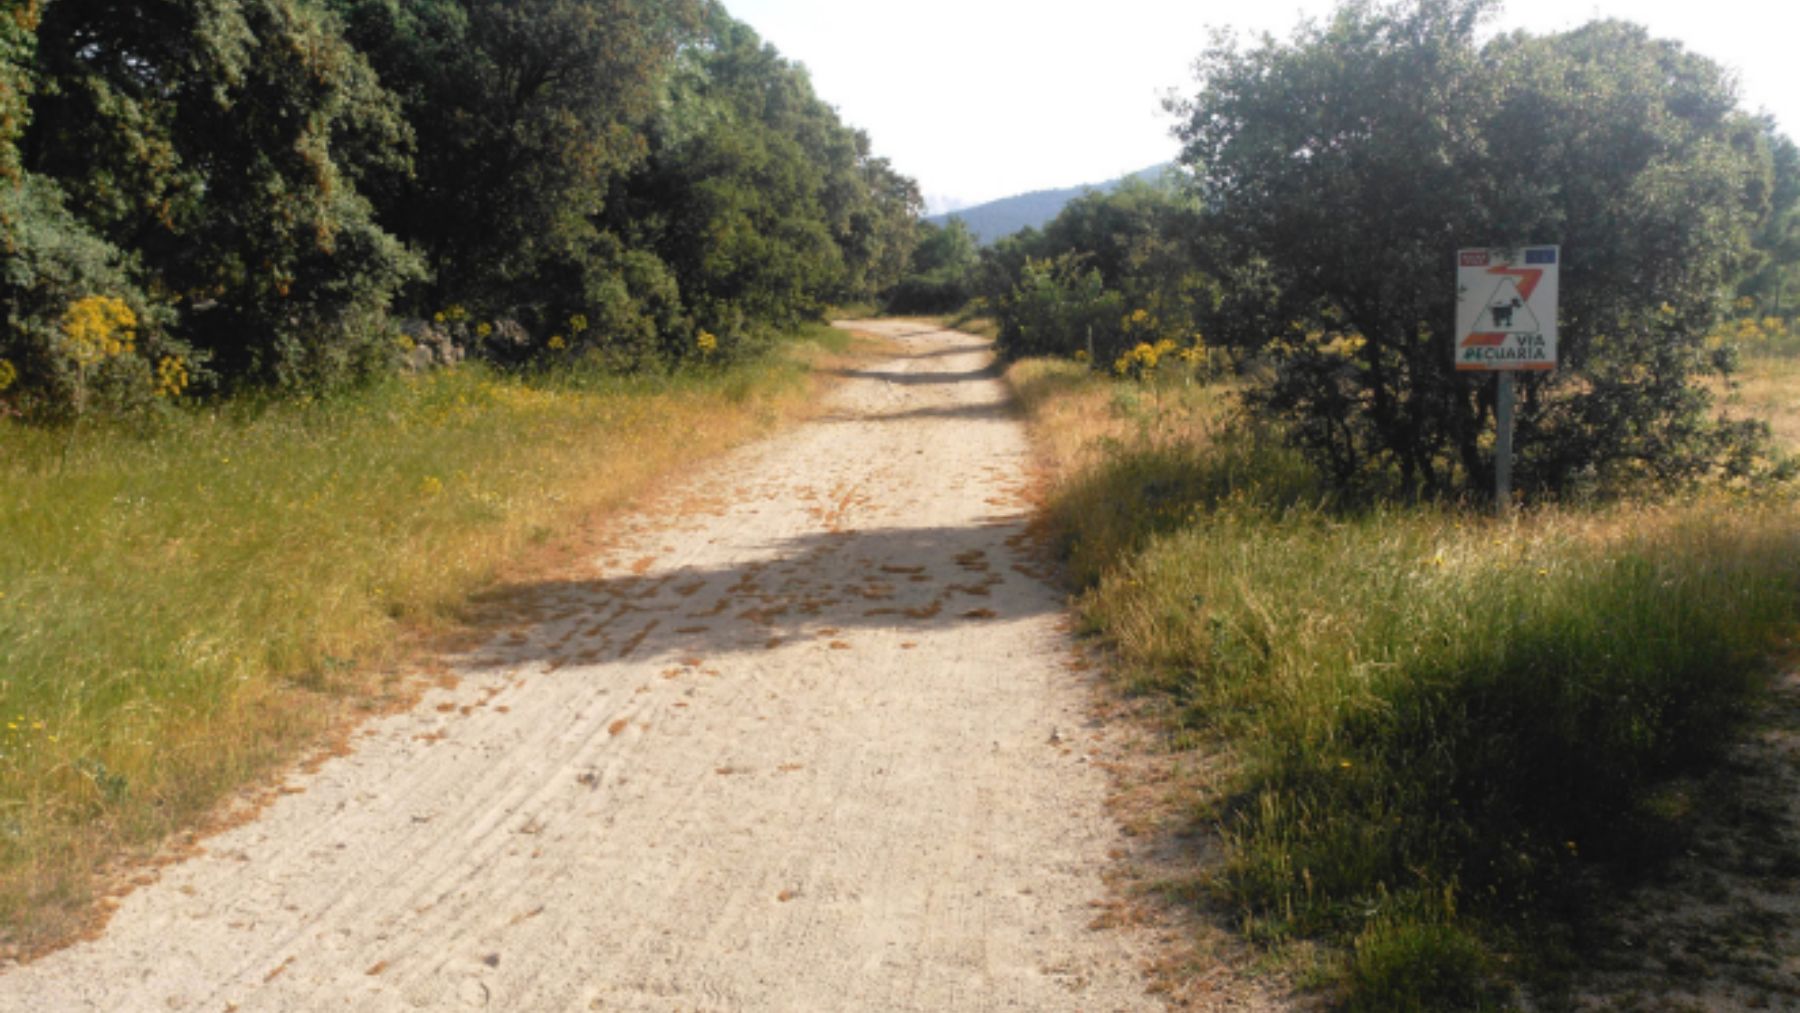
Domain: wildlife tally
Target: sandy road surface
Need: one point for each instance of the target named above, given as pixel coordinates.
(806, 740)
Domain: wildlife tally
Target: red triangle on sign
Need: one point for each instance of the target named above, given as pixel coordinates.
(1528, 277)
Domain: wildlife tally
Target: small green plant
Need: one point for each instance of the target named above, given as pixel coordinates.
(1401, 966)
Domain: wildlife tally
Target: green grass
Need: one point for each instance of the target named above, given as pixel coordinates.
(183, 610)
(1445, 732)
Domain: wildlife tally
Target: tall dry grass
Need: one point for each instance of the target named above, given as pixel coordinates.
(1768, 388)
(183, 610)
(1440, 727)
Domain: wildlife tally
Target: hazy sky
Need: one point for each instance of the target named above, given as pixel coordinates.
(978, 99)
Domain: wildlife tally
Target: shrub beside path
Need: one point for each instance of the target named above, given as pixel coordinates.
(806, 734)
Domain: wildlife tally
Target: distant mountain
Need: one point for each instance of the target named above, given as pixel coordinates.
(938, 205)
(1000, 218)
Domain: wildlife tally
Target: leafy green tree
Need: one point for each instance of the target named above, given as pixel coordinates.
(736, 205)
(52, 262)
(1003, 263)
(942, 273)
(1121, 230)
(949, 248)
(209, 140)
(650, 169)
(1142, 239)
(1773, 279)
(1060, 306)
(1342, 170)
(18, 48)
(1140, 243)
(258, 182)
(761, 203)
(527, 113)
(883, 232)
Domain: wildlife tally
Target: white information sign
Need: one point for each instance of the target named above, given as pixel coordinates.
(1506, 308)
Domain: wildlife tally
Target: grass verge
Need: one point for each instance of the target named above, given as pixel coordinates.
(184, 610)
(971, 319)
(1446, 736)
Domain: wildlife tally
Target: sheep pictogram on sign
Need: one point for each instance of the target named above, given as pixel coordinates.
(1503, 312)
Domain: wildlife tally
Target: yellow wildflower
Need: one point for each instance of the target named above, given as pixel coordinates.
(707, 342)
(8, 374)
(578, 323)
(483, 329)
(98, 327)
(557, 343)
(1142, 359)
(171, 377)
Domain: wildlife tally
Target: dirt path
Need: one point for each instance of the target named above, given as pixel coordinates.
(809, 740)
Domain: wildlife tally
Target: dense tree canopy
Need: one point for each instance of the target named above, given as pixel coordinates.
(1773, 281)
(761, 203)
(1112, 270)
(205, 141)
(526, 112)
(270, 192)
(942, 273)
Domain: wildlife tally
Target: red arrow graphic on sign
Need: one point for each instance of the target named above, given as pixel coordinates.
(1528, 282)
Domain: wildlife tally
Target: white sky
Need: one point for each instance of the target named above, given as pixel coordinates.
(978, 99)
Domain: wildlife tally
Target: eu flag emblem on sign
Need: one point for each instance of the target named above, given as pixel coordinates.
(1540, 256)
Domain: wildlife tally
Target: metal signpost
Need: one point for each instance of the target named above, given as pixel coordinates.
(1506, 322)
